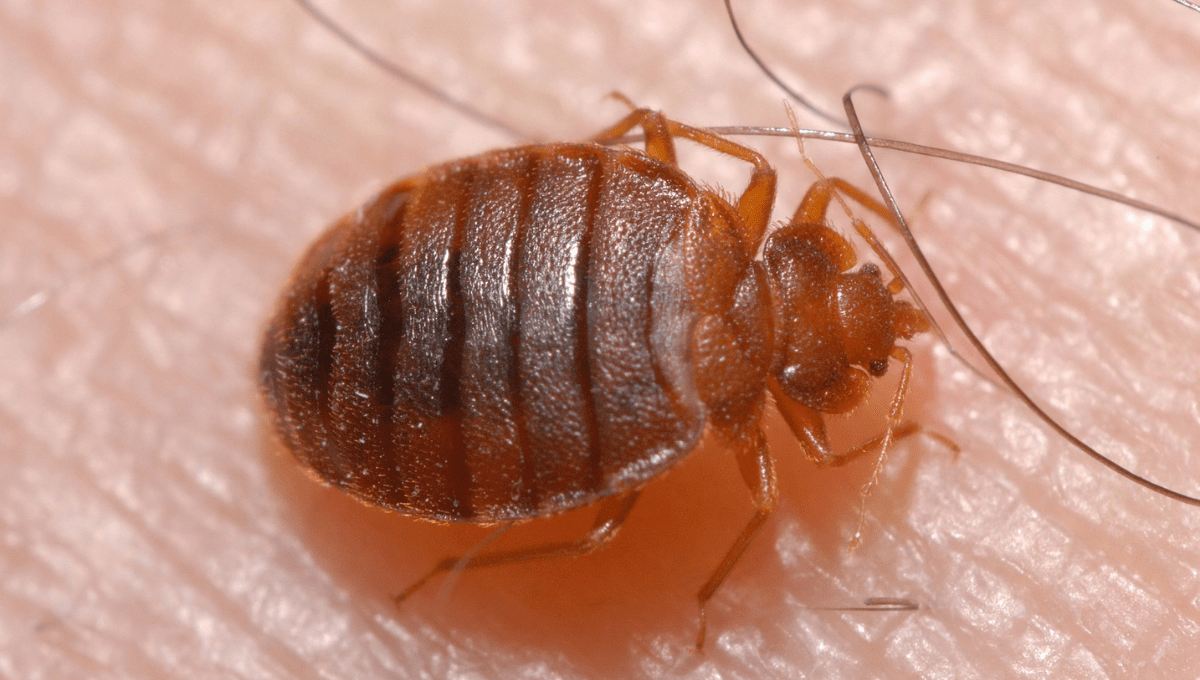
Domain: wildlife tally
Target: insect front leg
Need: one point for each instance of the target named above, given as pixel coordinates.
(808, 424)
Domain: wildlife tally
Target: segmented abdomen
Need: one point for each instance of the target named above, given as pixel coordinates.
(501, 337)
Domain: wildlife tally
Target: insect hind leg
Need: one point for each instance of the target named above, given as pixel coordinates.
(757, 200)
(609, 520)
(660, 144)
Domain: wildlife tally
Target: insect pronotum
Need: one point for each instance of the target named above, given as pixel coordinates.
(1020, 553)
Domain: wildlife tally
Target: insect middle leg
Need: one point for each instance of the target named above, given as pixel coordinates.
(758, 471)
(609, 520)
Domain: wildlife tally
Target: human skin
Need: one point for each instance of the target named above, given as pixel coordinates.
(163, 165)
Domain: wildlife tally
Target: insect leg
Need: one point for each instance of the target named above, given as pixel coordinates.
(758, 471)
(757, 199)
(808, 424)
(609, 520)
(659, 144)
(815, 204)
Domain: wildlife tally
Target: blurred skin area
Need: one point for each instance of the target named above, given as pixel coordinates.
(163, 165)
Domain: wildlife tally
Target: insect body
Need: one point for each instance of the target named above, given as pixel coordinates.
(533, 330)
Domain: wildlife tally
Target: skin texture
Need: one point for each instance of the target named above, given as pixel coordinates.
(162, 167)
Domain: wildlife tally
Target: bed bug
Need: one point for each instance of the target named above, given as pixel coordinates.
(542, 328)
(440, 486)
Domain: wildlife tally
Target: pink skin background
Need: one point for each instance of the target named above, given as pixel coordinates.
(162, 165)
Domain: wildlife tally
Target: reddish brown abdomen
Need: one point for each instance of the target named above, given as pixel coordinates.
(502, 337)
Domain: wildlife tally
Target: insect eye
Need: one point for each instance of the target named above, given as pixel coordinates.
(878, 368)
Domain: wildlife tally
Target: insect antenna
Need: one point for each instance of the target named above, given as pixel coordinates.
(865, 143)
(864, 232)
(890, 201)
(395, 70)
(949, 155)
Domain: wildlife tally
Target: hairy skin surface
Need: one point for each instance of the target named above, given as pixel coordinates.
(162, 166)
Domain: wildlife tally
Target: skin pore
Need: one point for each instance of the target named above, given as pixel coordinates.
(165, 167)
